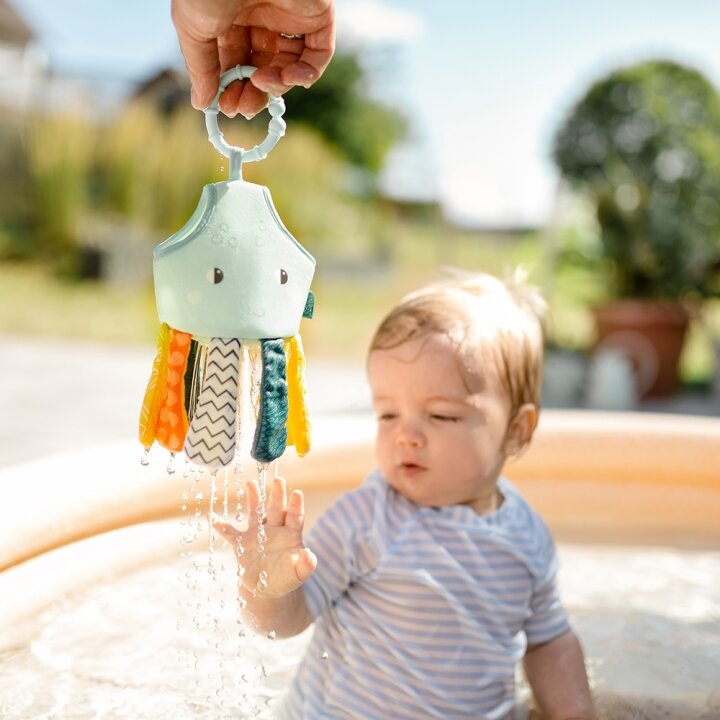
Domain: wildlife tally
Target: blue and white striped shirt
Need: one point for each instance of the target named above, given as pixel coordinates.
(423, 612)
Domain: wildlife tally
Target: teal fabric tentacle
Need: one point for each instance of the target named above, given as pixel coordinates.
(271, 430)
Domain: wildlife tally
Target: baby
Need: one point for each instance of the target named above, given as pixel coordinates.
(432, 580)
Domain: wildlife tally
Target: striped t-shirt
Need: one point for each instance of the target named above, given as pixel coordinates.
(423, 612)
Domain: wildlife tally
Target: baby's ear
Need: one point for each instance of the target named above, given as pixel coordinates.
(521, 428)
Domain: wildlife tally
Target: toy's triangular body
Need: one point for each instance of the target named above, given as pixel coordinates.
(234, 270)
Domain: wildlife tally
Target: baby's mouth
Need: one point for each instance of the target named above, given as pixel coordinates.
(411, 468)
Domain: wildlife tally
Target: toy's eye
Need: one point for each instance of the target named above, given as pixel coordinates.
(215, 276)
(283, 277)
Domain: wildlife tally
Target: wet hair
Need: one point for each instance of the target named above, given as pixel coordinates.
(489, 321)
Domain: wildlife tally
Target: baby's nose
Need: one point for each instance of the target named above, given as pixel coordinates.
(410, 434)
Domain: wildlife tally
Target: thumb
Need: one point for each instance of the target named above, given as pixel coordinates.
(306, 564)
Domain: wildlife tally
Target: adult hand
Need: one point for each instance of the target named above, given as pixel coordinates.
(291, 43)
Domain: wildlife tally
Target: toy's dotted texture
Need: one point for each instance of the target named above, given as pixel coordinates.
(172, 422)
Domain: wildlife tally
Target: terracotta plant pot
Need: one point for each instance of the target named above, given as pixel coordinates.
(651, 333)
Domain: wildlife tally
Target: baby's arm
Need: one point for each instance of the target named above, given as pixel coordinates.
(275, 600)
(556, 673)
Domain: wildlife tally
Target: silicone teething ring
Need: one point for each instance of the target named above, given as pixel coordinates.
(238, 155)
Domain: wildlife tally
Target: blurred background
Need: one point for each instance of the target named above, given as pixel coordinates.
(581, 141)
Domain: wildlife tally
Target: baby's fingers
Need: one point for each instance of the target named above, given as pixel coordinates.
(225, 529)
(306, 564)
(252, 492)
(295, 513)
(277, 505)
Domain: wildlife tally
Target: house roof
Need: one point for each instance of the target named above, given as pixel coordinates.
(13, 29)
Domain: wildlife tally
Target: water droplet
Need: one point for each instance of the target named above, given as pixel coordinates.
(271, 635)
(262, 580)
(145, 459)
(171, 465)
(199, 496)
(183, 507)
(324, 655)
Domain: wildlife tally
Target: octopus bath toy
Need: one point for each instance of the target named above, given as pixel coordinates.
(233, 277)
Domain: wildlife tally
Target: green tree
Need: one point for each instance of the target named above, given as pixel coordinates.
(645, 143)
(338, 107)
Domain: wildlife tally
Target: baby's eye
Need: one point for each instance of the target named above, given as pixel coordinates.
(444, 418)
(215, 276)
(386, 416)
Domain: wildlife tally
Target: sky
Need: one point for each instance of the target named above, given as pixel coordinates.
(484, 84)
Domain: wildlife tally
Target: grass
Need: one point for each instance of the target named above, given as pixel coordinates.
(34, 302)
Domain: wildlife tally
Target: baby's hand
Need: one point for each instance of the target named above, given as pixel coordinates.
(283, 560)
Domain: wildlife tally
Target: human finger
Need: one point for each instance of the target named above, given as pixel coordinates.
(277, 505)
(233, 49)
(295, 513)
(305, 565)
(225, 529)
(251, 101)
(267, 77)
(315, 57)
(286, 69)
(252, 493)
(199, 50)
(203, 66)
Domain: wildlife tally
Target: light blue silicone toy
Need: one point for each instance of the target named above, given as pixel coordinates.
(233, 274)
(234, 270)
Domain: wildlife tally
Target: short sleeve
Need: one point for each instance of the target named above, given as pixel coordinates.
(339, 539)
(547, 618)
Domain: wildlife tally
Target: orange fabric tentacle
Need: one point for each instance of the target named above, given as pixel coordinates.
(172, 422)
(155, 389)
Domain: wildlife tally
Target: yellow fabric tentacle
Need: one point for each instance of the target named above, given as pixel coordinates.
(155, 389)
(298, 421)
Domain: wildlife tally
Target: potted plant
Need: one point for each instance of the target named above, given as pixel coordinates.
(644, 144)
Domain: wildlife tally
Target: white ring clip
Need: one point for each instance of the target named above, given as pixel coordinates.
(238, 155)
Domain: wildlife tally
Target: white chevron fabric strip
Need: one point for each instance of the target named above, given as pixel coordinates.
(211, 438)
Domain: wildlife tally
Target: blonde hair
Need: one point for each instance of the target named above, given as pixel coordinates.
(486, 319)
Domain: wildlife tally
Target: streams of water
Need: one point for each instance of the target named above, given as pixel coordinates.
(649, 620)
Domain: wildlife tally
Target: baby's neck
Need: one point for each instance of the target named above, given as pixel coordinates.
(487, 504)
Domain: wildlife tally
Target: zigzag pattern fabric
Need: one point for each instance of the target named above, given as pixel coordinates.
(211, 438)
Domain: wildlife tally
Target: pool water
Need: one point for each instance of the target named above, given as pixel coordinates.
(165, 642)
